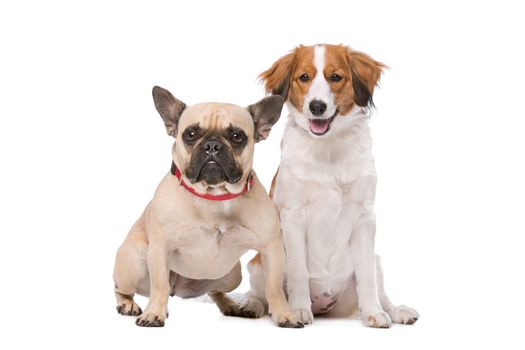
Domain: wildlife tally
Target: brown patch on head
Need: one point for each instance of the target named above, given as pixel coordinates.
(352, 76)
(337, 64)
(304, 68)
(284, 76)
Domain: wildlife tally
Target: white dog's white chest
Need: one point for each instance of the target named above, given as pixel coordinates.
(330, 216)
(207, 253)
(328, 234)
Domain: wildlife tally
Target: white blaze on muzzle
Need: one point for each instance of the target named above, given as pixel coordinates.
(319, 89)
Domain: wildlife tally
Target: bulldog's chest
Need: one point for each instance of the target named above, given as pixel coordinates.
(208, 251)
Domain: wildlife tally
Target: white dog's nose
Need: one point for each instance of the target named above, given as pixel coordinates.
(317, 107)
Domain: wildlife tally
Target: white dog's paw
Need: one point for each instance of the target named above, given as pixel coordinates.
(378, 319)
(251, 308)
(304, 315)
(404, 314)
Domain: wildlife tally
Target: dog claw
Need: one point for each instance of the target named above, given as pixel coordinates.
(156, 322)
(129, 310)
(288, 324)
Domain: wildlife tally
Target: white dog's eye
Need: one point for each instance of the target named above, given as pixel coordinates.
(336, 77)
(304, 77)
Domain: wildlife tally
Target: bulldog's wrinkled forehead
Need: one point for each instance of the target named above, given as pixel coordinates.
(217, 116)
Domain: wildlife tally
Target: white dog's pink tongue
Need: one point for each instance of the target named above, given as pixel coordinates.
(319, 126)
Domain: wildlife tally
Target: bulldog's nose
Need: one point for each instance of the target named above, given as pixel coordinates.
(212, 147)
(317, 107)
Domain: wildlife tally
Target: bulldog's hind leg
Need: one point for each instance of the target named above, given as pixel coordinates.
(217, 290)
(399, 314)
(130, 277)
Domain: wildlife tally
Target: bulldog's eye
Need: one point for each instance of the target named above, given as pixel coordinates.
(237, 137)
(189, 136)
(304, 77)
(336, 77)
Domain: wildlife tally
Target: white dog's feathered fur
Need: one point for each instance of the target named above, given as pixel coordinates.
(325, 188)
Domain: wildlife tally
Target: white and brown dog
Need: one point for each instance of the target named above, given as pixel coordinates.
(325, 188)
(205, 214)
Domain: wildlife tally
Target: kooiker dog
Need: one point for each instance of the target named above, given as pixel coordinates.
(206, 212)
(325, 187)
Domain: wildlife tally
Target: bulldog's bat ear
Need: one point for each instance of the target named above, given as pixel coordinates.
(169, 108)
(265, 114)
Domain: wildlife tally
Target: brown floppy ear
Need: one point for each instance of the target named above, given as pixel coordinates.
(277, 79)
(169, 108)
(365, 73)
(265, 114)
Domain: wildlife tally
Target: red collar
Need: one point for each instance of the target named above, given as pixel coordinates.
(220, 197)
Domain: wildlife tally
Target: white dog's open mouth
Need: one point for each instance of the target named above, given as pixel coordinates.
(322, 126)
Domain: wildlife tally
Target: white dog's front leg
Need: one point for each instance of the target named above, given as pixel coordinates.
(297, 276)
(362, 247)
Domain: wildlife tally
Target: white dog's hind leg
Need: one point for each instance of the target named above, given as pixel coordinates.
(399, 314)
(347, 304)
(362, 246)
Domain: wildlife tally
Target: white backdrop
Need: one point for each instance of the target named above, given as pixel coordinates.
(82, 150)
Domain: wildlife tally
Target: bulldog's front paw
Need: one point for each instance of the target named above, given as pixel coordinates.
(152, 318)
(129, 308)
(379, 319)
(404, 315)
(287, 320)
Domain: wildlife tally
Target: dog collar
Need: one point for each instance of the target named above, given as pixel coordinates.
(212, 197)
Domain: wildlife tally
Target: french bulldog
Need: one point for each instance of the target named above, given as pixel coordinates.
(206, 212)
